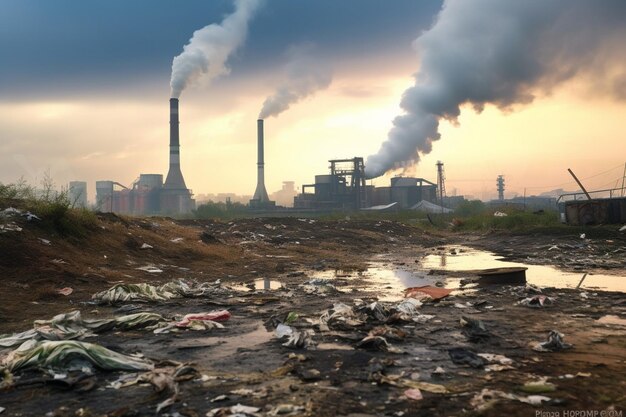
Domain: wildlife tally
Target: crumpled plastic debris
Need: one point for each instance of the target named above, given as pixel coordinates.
(146, 246)
(553, 344)
(146, 292)
(537, 301)
(538, 387)
(499, 214)
(341, 317)
(67, 326)
(413, 394)
(286, 410)
(388, 332)
(236, 410)
(488, 398)
(150, 268)
(65, 291)
(474, 330)
(321, 287)
(377, 343)
(216, 315)
(10, 227)
(436, 293)
(296, 339)
(64, 354)
(462, 356)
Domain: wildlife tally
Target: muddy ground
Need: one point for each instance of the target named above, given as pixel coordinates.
(245, 363)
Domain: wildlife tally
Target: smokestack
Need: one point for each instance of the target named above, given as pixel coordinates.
(174, 178)
(260, 194)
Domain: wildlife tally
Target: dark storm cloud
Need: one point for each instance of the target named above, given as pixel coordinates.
(64, 46)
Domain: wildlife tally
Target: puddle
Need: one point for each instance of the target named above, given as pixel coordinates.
(266, 284)
(541, 275)
(333, 346)
(223, 347)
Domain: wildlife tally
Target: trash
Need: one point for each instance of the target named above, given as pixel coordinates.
(176, 240)
(341, 317)
(461, 356)
(311, 375)
(388, 332)
(320, 287)
(407, 311)
(213, 316)
(488, 398)
(236, 410)
(499, 214)
(553, 344)
(374, 343)
(10, 227)
(296, 339)
(622, 229)
(44, 241)
(2, 410)
(474, 330)
(538, 387)
(413, 394)
(65, 354)
(146, 292)
(435, 293)
(423, 386)
(583, 236)
(71, 325)
(150, 268)
(220, 398)
(146, 246)
(494, 358)
(537, 301)
(65, 291)
(285, 410)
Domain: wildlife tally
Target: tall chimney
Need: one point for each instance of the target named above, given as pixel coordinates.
(174, 178)
(260, 194)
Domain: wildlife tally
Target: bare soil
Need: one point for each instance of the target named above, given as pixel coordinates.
(334, 379)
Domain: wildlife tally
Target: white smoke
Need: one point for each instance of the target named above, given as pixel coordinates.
(305, 73)
(503, 52)
(209, 48)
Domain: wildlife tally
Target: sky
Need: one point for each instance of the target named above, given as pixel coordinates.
(84, 90)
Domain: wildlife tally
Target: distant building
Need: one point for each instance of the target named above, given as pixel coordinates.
(284, 197)
(77, 193)
(147, 196)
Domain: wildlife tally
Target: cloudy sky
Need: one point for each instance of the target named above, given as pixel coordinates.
(84, 89)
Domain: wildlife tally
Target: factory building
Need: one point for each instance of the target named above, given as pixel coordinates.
(148, 195)
(344, 188)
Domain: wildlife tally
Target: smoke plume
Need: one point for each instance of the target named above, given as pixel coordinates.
(305, 73)
(504, 53)
(209, 48)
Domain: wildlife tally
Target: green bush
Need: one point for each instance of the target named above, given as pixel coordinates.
(53, 207)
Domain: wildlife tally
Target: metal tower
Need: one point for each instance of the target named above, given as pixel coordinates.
(441, 183)
(500, 185)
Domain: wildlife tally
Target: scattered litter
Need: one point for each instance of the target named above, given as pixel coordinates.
(146, 246)
(474, 330)
(488, 398)
(622, 229)
(68, 353)
(146, 292)
(499, 214)
(435, 293)
(296, 339)
(286, 410)
(44, 241)
(176, 240)
(320, 287)
(553, 344)
(461, 356)
(583, 235)
(414, 394)
(236, 411)
(220, 398)
(537, 301)
(150, 268)
(341, 317)
(538, 387)
(65, 291)
(10, 227)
